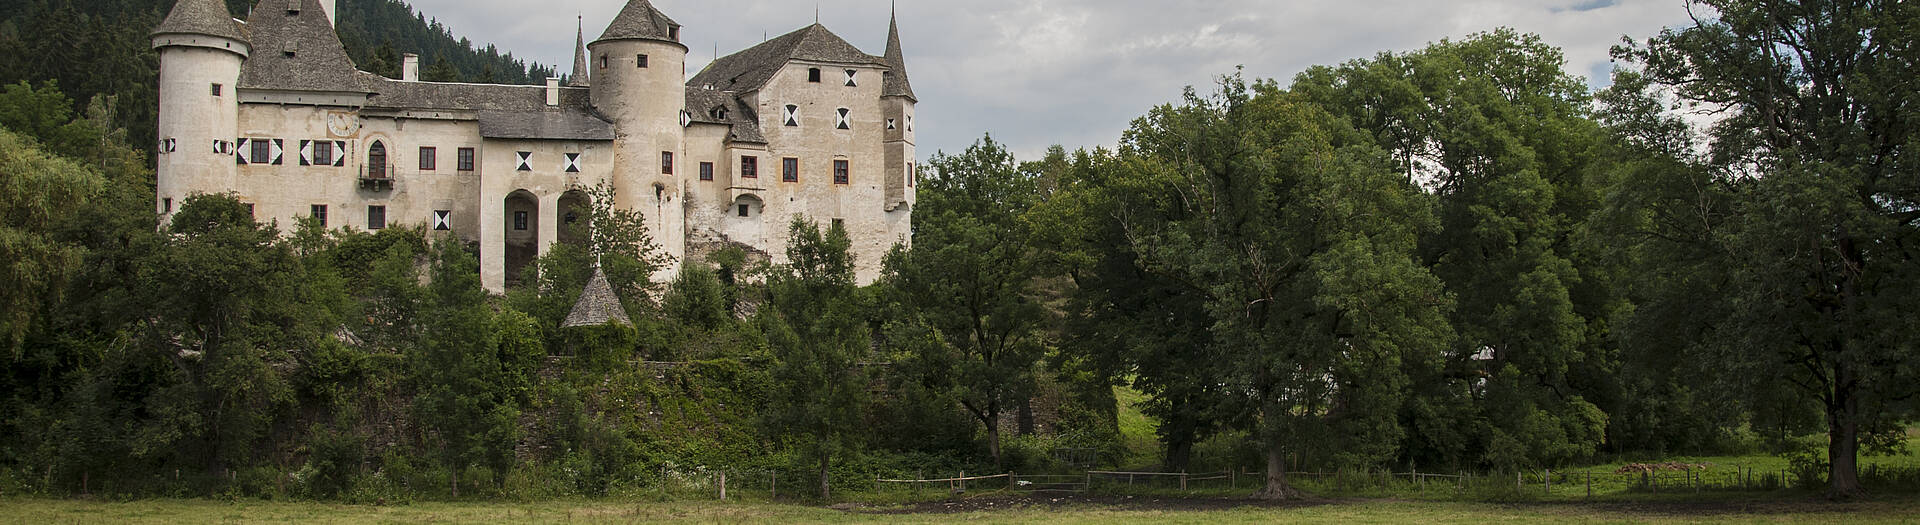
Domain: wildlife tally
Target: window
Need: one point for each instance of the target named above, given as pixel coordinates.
(813, 75)
(706, 171)
(377, 161)
(790, 169)
(322, 153)
(166, 205)
(911, 175)
(840, 171)
(319, 213)
(465, 159)
(749, 167)
(520, 221)
(745, 210)
(216, 90)
(846, 119)
(666, 163)
(376, 217)
(673, 33)
(259, 151)
(603, 61)
(640, 60)
(428, 162)
(850, 74)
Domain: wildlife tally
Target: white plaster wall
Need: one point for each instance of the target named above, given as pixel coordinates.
(547, 181)
(194, 118)
(645, 104)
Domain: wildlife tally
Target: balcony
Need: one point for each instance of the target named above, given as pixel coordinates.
(377, 177)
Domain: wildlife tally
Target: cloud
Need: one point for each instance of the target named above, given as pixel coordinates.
(1075, 72)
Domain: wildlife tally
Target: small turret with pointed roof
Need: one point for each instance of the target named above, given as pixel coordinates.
(598, 304)
(201, 17)
(640, 21)
(897, 84)
(581, 77)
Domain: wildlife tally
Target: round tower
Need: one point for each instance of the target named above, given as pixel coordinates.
(639, 81)
(201, 49)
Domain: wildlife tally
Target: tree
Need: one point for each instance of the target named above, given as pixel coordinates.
(36, 263)
(815, 323)
(1817, 117)
(1501, 136)
(468, 366)
(1300, 239)
(968, 277)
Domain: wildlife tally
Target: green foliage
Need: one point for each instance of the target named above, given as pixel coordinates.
(815, 324)
(37, 265)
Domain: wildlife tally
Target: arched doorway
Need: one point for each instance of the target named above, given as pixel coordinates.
(522, 233)
(574, 212)
(377, 167)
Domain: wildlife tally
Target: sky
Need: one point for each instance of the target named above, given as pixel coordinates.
(1036, 73)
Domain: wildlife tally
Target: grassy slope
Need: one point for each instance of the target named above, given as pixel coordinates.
(1137, 431)
(179, 511)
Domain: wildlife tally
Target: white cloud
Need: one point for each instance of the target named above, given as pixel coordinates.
(1076, 72)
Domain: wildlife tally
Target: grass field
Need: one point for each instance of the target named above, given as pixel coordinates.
(49, 512)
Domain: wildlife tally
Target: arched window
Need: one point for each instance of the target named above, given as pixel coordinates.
(377, 160)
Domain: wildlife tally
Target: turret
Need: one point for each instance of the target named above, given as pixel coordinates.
(201, 49)
(582, 77)
(897, 103)
(638, 81)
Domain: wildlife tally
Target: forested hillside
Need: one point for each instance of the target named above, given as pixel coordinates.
(1450, 259)
(100, 47)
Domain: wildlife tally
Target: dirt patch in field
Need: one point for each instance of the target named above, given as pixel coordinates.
(1706, 508)
(1056, 502)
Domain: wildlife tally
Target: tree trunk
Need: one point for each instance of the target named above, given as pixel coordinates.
(993, 436)
(1277, 487)
(1843, 438)
(825, 474)
(1179, 449)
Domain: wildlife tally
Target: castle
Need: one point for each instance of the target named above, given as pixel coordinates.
(272, 110)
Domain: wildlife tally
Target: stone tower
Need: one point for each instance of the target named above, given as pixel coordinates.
(897, 102)
(201, 50)
(638, 81)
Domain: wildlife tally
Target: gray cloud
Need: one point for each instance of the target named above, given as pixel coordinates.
(1076, 72)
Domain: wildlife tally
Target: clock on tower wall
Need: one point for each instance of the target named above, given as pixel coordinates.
(342, 124)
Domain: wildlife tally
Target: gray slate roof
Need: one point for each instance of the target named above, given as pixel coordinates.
(581, 77)
(388, 93)
(639, 20)
(896, 80)
(701, 104)
(319, 61)
(202, 17)
(751, 69)
(597, 305)
(544, 125)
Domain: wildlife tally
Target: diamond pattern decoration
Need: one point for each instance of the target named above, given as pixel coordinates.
(277, 151)
(792, 115)
(306, 153)
(850, 75)
(241, 147)
(222, 147)
(523, 160)
(442, 220)
(339, 153)
(845, 122)
(893, 124)
(573, 163)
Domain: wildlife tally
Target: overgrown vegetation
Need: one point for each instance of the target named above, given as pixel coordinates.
(1455, 260)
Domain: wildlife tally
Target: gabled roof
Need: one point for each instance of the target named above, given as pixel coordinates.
(597, 305)
(544, 125)
(319, 61)
(751, 69)
(639, 20)
(896, 79)
(201, 17)
(701, 106)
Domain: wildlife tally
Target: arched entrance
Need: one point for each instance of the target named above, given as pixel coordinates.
(574, 220)
(522, 233)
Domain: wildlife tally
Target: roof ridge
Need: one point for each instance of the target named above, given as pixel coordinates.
(201, 17)
(639, 20)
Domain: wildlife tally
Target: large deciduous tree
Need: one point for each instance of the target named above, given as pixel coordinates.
(816, 325)
(968, 277)
(1817, 111)
(1300, 239)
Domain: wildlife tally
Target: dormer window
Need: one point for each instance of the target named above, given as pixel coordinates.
(813, 75)
(718, 113)
(673, 33)
(290, 49)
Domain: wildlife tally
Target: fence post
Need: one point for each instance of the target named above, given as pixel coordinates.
(774, 487)
(723, 485)
(1549, 482)
(1010, 483)
(1517, 484)
(1589, 484)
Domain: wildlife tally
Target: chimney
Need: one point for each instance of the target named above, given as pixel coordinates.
(553, 91)
(410, 67)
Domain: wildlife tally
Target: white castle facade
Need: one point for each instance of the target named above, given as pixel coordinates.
(271, 110)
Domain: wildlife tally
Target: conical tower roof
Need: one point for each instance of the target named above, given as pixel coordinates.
(201, 17)
(581, 76)
(897, 84)
(640, 21)
(597, 305)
